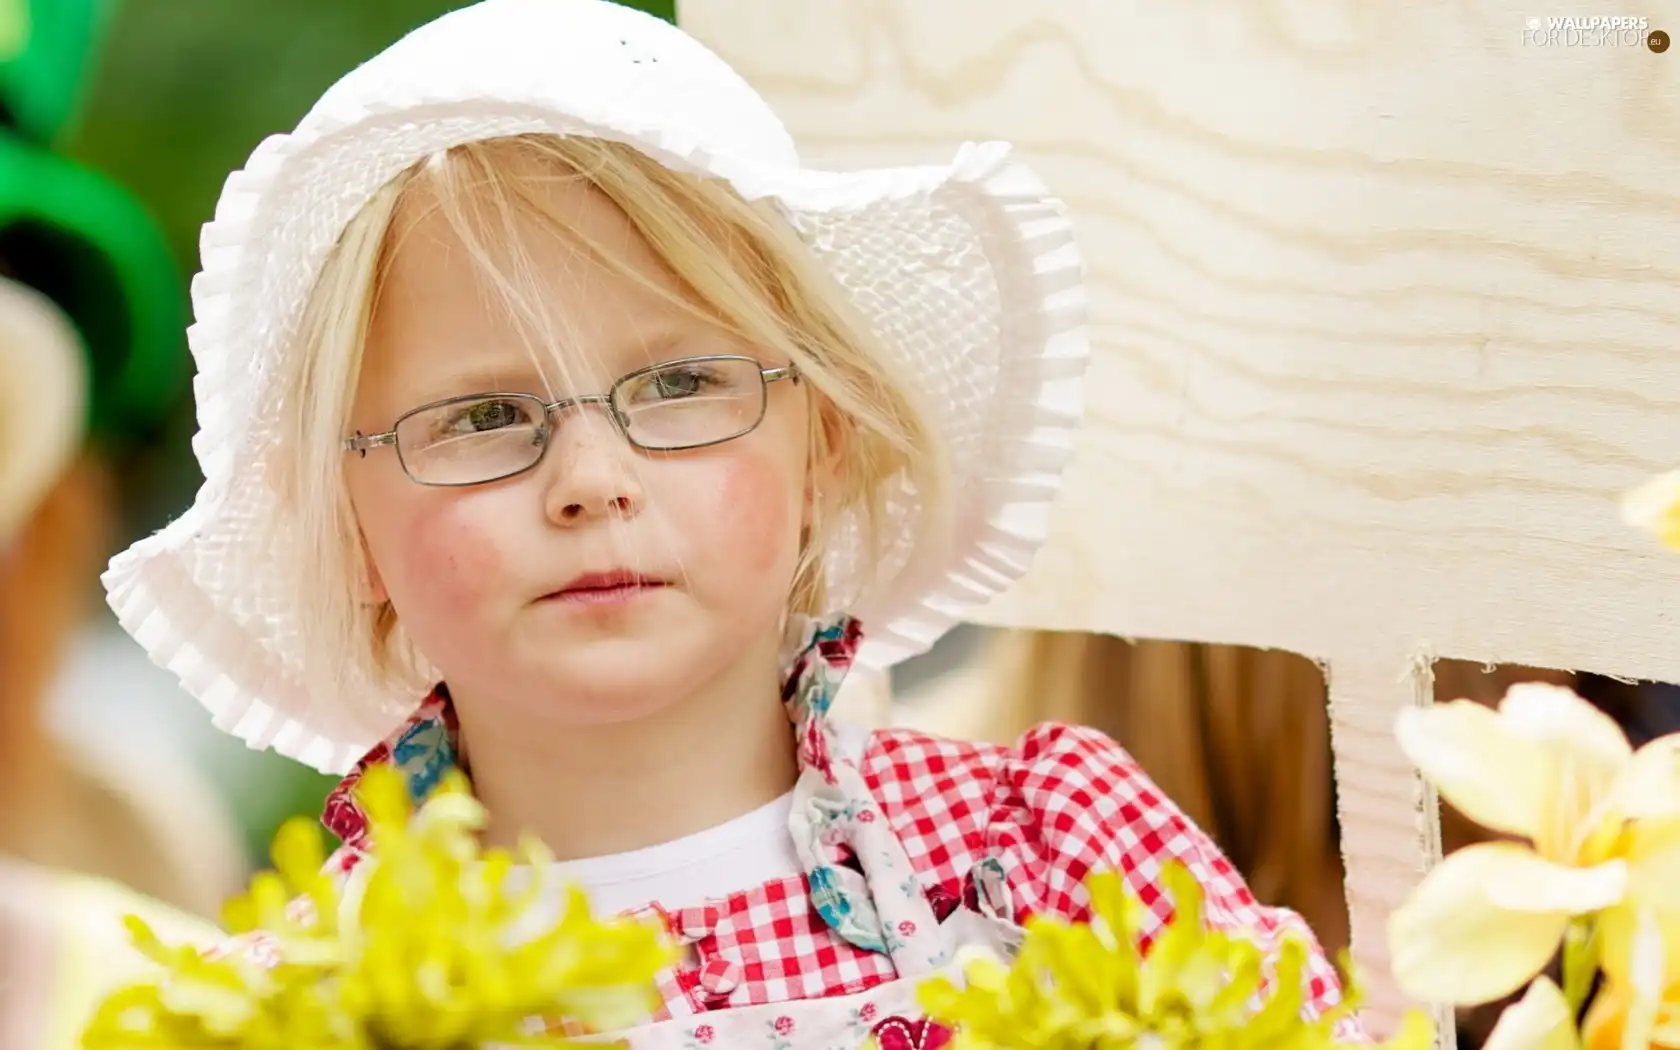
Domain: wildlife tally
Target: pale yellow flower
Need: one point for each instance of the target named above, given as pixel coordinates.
(1652, 849)
(1655, 507)
(1554, 770)
(1638, 1005)
(1540, 1020)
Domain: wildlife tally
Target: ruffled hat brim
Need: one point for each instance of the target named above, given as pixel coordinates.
(968, 272)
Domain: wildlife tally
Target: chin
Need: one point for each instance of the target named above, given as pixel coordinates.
(612, 680)
(620, 678)
(603, 670)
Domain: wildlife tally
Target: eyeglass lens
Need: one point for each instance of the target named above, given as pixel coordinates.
(679, 405)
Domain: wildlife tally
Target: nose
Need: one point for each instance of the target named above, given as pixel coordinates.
(593, 470)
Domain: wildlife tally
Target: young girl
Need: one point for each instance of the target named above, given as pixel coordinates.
(557, 426)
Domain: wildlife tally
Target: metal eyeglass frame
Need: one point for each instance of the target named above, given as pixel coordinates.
(363, 442)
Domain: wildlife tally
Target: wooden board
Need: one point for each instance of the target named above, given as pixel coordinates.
(1386, 304)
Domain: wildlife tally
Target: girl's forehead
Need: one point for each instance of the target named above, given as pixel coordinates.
(478, 296)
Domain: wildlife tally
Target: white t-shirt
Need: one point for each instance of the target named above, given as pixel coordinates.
(740, 854)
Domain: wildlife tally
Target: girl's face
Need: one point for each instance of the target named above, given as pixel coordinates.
(508, 587)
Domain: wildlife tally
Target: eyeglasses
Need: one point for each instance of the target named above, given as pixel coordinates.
(688, 403)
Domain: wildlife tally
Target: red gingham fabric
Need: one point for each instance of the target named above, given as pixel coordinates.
(1062, 802)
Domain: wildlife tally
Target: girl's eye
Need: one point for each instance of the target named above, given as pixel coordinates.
(480, 416)
(672, 384)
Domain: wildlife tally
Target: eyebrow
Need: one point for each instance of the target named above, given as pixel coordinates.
(476, 379)
(525, 375)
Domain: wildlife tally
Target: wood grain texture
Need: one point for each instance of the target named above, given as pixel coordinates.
(1385, 301)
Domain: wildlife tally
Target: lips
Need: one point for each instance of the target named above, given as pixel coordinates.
(615, 585)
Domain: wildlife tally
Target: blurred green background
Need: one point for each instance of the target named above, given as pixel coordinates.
(182, 92)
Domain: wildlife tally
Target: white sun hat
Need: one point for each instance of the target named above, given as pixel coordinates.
(968, 271)
(43, 400)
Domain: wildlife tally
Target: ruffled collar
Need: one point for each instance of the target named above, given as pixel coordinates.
(426, 746)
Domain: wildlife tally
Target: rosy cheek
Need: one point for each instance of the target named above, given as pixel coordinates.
(447, 555)
(755, 507)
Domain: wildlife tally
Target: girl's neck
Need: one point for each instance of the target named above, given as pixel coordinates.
(589, 791)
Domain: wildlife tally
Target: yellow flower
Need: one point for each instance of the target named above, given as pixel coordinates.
(1655, 507)
(1638, 1005)
(1652, 849)
(1550, 768)
(1540, 1020)
(429, 950)
(1079, 985)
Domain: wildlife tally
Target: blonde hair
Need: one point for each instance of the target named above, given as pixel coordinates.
(741, 263)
